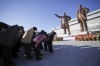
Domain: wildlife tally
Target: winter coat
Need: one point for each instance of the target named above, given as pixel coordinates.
(39, 38)
(27, 37)
(7, 37)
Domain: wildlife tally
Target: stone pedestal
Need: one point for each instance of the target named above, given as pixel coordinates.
(78, 33)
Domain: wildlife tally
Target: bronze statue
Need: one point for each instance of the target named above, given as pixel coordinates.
(81, 17)
(64, 22)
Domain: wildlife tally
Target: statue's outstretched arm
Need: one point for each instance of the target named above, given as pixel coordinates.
(58, 16)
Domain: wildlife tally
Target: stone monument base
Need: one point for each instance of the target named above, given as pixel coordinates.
(72, 35)
(81, 32)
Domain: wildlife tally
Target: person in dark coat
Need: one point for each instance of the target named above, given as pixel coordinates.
(19, 36)
(3, 26)
(7, 38)
(17, 42)
(48, 42)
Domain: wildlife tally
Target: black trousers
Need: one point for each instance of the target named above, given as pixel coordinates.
(0, 50)
(14, 51)
(45, 46)
(48, 46)
(36, 50)
(7, 55)
(27, 48)
(41, 46)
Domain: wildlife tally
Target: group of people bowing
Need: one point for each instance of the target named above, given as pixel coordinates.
(13, 37)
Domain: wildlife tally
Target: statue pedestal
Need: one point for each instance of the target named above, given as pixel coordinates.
(72, 36)
(77, 33)
(67, 37)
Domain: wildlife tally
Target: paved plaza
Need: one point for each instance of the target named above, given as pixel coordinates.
(66, 53)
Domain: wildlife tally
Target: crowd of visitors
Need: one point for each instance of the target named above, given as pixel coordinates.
(13, 37)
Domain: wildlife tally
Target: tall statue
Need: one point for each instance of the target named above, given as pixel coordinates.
(81, 17)
(64, 22)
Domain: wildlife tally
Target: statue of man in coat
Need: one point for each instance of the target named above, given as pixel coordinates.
(64, 22)
(81, 17)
